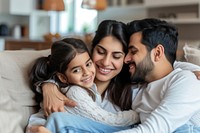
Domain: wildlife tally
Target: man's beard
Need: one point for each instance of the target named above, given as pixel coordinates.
(142, 70)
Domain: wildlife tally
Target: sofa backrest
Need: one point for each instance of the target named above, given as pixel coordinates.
(14, 69)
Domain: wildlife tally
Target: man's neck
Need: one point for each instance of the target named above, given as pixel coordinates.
(160, 71)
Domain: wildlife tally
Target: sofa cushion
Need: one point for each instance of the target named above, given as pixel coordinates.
(15, 66)
(14, 70)
(192, 54)
(8, 111)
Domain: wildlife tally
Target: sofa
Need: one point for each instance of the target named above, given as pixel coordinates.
(16, 97)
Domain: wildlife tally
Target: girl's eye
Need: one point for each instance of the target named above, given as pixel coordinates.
(76, 70)
(89, 64)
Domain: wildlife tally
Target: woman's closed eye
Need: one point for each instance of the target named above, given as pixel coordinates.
(100, 51)
(118, 55)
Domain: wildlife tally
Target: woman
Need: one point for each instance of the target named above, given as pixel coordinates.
(111, 75)
(108, 51)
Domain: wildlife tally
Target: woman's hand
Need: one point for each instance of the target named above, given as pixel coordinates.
(197, 73)
(38, 129)
(54, 100)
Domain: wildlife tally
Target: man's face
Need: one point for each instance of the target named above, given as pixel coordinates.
(138, 58)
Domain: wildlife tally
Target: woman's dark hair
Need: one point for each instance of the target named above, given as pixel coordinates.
(62, 52)
(118, 90)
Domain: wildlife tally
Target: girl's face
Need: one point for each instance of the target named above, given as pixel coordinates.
(108, 57)
(81, 71)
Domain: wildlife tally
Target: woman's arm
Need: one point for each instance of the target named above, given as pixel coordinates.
(53, 99)
(86, 107)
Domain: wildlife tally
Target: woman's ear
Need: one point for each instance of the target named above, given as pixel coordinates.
(62, 78)
(158, 52)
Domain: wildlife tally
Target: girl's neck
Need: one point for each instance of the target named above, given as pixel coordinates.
(101, 85)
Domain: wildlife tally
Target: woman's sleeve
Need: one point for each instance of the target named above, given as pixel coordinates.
(86, 107)
(186, 66)
(39, 84)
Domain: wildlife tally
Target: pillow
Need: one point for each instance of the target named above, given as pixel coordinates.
(14, 68)
(192, 54)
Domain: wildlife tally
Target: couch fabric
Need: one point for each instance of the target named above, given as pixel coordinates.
(192, 53)
(16, 97)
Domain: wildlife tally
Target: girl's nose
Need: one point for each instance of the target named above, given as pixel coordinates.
(85, 71)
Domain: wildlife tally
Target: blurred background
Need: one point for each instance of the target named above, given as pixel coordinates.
(34, 24)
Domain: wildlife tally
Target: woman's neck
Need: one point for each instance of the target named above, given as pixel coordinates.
(101, 85)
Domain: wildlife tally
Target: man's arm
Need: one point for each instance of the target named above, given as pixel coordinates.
(180, 102)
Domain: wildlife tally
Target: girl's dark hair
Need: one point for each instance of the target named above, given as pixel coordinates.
(118, 91)
(62, 52)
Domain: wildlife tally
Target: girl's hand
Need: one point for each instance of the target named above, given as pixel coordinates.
(197, 73)
(38, 129)
(54, 100)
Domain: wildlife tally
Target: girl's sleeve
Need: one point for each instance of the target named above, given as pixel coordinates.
(86, 107)
(186, 66)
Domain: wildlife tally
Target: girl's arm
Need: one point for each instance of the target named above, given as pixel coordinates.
(86, 107)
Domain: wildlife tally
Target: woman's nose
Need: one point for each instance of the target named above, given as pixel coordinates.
(106, 61)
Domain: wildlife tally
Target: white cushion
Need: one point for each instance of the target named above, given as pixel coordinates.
(192, 54)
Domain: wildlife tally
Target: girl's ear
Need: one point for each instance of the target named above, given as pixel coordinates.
(62, 78)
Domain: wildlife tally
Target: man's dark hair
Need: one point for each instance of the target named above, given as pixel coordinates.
(154, 32)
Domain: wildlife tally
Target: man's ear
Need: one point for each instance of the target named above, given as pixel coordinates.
(62, 77)
(158, 52)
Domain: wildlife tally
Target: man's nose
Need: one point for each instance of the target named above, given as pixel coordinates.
(127, 59)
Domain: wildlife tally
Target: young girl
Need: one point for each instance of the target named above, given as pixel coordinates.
(72, 68)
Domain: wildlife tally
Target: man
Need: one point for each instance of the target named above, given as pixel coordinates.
(168, 100)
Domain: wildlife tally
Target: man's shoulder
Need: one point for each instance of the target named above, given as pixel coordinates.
(183, 75)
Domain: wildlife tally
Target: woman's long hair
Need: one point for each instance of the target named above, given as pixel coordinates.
(119, 89)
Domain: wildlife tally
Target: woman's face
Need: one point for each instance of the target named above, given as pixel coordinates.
(108, 57)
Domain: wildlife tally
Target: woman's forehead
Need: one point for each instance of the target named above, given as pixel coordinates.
(110, 43)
